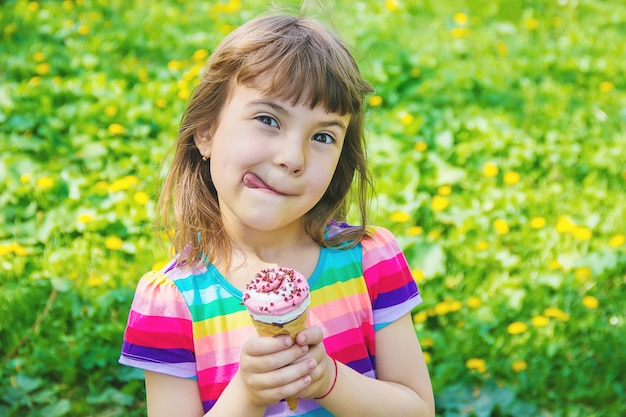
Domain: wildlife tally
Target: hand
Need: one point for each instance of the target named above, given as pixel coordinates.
(274, 368)
(323, 375)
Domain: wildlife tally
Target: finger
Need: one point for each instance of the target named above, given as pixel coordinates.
(260, 346)
(275, 360)
(284, 381)
(310, 336)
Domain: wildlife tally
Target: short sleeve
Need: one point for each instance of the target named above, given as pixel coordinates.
(390, 283)
(159, 333)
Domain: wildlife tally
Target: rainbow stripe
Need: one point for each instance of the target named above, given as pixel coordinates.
(190, 322)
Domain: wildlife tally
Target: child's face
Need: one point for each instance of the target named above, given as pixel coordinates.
(271, 162)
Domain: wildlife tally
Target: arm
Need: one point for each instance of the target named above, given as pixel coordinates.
(403, 386)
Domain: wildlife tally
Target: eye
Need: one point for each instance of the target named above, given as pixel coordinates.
(267, 120)
(323, 138)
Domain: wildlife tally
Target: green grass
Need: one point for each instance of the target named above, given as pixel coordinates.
(497, 144)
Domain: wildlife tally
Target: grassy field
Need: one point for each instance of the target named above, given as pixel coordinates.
(498, 147)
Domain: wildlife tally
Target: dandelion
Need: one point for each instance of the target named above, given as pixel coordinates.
(94, 281)
(420, 146)
(391, 5)
(539, 321)
(476, 364)
(420, 317)
(519, 366)
(174, 65)
(33, 6)
(84, 218)
(38, 57)
(617, 240)
(406, 119)
(556, 313)
(142, 73)
(517, 327)
(427, 342)
(427, 357)
(110, 111)
(501, 226)
(531, 23)
(184, 94)
(161, 103)
(444, 190)
(123, 183)
(459, 33)
(439, 203)
(400, 217)
(157, 266)
(25, 178)
(415, 231)
(474, 302)
(43, 68)
(418, 275)
(460, 18)
(583, 274)
(606, 87)
(501, 48)
(45, 183)
(490, 170)
(442, 308)
(511, 178)
(68, 5)
(554, 265)
(415, 72)
(116, 129)
(455, 305)
(375, 101)
(537, 222)
(433, 235)
(113, 243)
(565, 224)
(83, 30)
(582, 233)
(141, 198)
(481, 245)
(200, 55)
(590, 302)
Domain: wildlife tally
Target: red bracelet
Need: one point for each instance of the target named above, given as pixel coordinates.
(334, 381)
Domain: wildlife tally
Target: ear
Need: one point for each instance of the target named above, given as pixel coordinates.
(202, 139)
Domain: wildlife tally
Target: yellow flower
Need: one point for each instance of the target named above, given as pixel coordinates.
(564, 224)
(415, 72)
(476, 364)
(143, 75)
(420, 146)
(590, 302)
(43, 68)
(481, 245)
(511, 178)
(14, 248)
(415, 231)
(442, 308)
(517, 327)
(200, 55)
(439, 203)
(583, 274)
(68, 5)
(45, 183)
(501, 226)
(539, 321)
(84, 218)
(617, 240)
(184, 94)
(519, 366)
(375, 101)
(474, 302)
(531, 23)
(427, 357)
(110, 111)
(427, 342)
(33, 6)
(418, 275)
(113, 243)
(582, 233)
(38, 57)
(554, 265)
(501, 48)
(444, 190)
(606, 87)
(116, 129)
(161, 103)
(455, 305)
(83, 30)
(460, 18)
(556, 313)
(94, 281)
(400, 217)
(159, 265)
(420, 317)
(123, 183)
(406, 119)
(174, 65)
(537, 222)
(24, 178)
(141, 198)
(433, 235)
(460, 32)
(391, 5)
(490, 170)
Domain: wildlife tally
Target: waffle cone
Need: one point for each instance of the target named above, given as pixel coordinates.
(290, 329)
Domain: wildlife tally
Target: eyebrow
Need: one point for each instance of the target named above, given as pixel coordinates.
(280, 109)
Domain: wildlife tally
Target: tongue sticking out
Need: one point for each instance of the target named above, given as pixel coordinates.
(252, 181)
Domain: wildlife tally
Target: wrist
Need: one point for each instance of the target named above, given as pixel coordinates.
(333, 380)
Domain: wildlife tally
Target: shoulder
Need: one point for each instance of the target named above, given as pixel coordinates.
(379, 245)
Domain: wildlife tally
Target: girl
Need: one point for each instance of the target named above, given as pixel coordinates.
(269, 146)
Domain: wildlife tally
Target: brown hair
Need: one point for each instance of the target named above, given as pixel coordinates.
(291, 58)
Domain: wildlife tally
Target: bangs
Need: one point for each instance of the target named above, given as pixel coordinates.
(299, 67)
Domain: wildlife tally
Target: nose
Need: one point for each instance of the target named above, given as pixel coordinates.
(291, 155)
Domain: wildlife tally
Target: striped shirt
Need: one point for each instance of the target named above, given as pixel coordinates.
(189, 322)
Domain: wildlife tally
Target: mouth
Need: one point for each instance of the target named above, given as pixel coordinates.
(251, 180)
